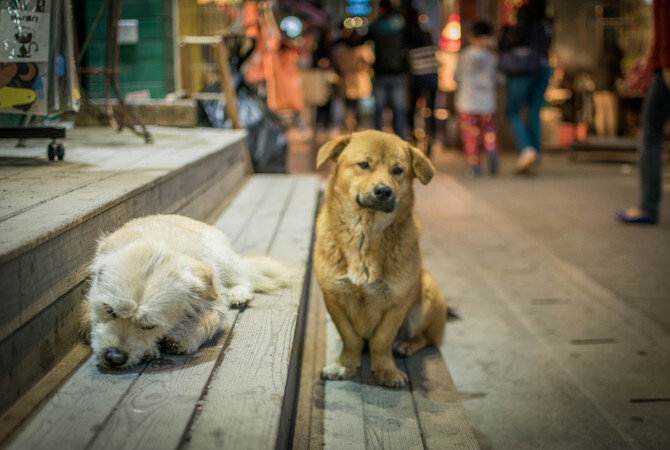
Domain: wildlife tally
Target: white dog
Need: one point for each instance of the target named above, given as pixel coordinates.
(165, 282)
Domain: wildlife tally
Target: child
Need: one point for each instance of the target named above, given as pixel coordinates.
(476, 99)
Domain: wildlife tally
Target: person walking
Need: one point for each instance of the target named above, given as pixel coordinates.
(387, 33)
(605, 98)
(423, 83)
(476, 99)
(655, 114)
(524, 60)
(352, 60)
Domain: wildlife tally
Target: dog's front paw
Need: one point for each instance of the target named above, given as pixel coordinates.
(239, 296)
(150, 355)
(391, 377)
(169, 345)
(336, 371)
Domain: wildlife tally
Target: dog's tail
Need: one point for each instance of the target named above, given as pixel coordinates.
(268, 274)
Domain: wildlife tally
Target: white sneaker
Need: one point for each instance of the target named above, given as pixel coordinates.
(526, 160)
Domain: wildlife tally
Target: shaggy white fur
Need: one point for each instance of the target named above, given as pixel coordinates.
(165, 282)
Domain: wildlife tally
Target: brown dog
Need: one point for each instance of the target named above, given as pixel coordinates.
(367, 258)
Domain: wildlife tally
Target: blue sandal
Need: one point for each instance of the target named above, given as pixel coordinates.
(635, 216)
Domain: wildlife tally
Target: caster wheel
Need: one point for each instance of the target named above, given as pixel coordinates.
(51, 152)
(60, 152)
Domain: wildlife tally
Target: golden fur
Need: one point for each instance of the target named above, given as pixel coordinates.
(165, 282)
(367, 258)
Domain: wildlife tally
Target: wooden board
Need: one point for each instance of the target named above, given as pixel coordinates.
(244, 403)
(198, 400)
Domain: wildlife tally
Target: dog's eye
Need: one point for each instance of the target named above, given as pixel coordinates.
(148, 327)
(109, 310)
(397, 171)
(364, 165)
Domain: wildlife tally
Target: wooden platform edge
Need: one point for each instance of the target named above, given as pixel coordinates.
(289, 408)
(54, 329)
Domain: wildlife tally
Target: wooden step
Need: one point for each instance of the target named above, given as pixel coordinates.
(239, 389)
(52, 213)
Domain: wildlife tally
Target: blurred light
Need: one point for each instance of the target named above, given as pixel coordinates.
(292, 26)
(423, 18)
(441, 114)
(451, 34)
(355, 22)
(358, 7)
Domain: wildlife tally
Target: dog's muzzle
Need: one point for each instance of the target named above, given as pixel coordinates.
(381, 198)
(115, 357)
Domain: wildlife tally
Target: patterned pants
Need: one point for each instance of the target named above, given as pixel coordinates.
(476, 129)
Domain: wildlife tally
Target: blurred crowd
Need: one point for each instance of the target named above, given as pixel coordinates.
(385, 73)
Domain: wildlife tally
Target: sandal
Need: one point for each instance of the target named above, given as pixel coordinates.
(634, 215)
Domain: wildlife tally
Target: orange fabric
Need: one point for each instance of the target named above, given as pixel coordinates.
(283, 82)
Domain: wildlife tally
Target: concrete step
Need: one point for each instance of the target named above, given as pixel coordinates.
(52, 213)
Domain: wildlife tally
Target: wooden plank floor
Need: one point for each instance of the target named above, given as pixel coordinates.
(233, 390)
(544, 357)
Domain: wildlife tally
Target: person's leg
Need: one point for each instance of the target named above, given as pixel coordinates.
(655, 113)
(470, 140)
(350, 117)
(535, 103)
(517, 90)
(380, 101)
(489, 135)
(414, 94)
(399, 105)
(430, 104)
(600, 107)
(612, 115)
(519, 93)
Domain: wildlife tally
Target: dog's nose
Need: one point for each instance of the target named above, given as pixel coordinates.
(383, 192)
(115, 357)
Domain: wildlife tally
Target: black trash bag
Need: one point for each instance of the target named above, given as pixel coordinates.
(267, 137)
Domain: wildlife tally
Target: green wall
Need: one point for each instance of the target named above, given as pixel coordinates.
(149, 64)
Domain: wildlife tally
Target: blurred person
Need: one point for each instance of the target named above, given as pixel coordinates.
(655, 114)
(525, 86)
(423, 73)
(390, 67)
(352, 60)
(321, 59)
(273, 66)
(605, 98)
(476, 98)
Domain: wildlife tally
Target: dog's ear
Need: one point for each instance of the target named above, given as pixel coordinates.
(201, 280)
(332, 149)
(421, 166)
